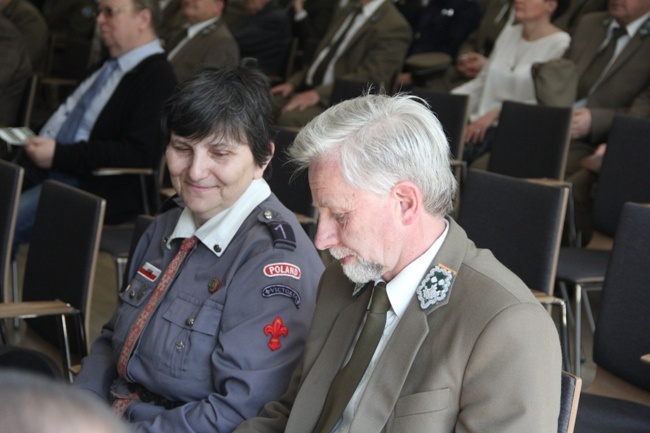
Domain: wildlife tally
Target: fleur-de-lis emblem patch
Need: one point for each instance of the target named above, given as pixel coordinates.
(434, 288)
(276, 330)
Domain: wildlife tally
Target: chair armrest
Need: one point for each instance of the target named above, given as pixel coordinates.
(53, 81)
(167, 192)
(304, 219)
(141, 172)
(30, 309)
(546, 298)
(119, 171)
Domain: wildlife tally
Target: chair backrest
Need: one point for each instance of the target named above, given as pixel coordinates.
(348, 89)
(33, 361)
(142, 222)
(452, 111)
(11, 180)
(62, 253)
(571, 386)
(531, 141)
(291, 188)
(623, 324)
(520, 221)
(624, 174)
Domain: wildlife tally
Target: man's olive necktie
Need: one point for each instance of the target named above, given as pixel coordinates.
(347, 379)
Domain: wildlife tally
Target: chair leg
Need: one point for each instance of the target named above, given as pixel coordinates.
(3, 332)
(14, 286)
(145, 197)
(65, 352)
(565, 337)
(578, 329)
(589, 312)
(567, 301)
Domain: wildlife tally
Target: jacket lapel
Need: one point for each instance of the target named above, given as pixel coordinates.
(628, 52)
(394, 365)
(591, 48)
(379, 13)
(391, 371)
(336, 24)
(313, 391)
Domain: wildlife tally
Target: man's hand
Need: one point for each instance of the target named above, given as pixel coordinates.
(470, 64)
(302, 101)
(284, 89)
(40, 150)
(580, 123)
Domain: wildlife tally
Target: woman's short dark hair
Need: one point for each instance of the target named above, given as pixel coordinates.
(235, 103)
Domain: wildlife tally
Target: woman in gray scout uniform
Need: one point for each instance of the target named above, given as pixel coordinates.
(223, 285)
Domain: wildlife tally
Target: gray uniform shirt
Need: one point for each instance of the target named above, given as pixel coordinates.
(228, 333)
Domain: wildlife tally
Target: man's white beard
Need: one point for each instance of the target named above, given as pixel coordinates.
(360, 272)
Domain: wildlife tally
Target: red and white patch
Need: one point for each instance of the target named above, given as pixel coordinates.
(282, 270)
(149, 271)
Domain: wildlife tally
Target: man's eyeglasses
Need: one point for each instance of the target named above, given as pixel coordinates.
(110, 12)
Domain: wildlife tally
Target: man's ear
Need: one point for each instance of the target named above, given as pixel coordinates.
(146, 18)
(409, 198)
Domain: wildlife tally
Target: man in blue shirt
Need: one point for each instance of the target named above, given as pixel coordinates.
(110, 120)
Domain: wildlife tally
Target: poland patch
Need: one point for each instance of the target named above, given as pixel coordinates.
(282, 270)
(149, 271)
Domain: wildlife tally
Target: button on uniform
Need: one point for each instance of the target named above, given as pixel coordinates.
(190, 321)
(180, 346)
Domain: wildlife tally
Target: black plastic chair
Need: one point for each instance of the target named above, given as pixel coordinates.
(291, 188)
(623, 177)
(531, 141)
(29, 360)
(520, 221)
(618, 400)
(116, 238)
(60, 267)
(142, 222)
(348, 89)
(11, 179)
(451, 110)
(571, 386)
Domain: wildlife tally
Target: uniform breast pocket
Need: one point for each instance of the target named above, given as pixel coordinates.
(427, 409)
(194, 326)
(133, 300)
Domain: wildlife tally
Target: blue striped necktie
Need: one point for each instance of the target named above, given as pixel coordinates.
(69, 128)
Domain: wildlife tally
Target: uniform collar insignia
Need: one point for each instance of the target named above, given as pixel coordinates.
(435, 287)
(645, 29)
(208, 29)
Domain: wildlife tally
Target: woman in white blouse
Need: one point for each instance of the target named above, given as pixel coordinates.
(528, 39)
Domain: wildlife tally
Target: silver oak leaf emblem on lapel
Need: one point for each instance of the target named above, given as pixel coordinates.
(434, 288)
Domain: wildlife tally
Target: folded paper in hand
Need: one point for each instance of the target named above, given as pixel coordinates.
(15, 136)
